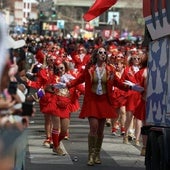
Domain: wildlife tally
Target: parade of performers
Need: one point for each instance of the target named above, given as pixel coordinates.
(96, 85)
(56, 105)
(123, 61)
(99, 77)
(103, 73)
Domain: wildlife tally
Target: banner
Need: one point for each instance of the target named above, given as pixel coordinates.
(98, 8)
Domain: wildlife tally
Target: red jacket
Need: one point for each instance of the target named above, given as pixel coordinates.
(87, 75)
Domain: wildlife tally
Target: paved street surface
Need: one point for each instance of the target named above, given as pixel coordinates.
(115, 155)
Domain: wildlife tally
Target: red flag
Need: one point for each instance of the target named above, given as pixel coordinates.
(98, 8)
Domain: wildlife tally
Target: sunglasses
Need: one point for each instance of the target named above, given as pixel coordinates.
(60, 68)
(102, 52)
(136, 58)
(120, 56)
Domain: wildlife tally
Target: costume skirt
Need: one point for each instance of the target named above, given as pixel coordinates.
(119, 98)
(74, 106)
(97, 106)
(133, 100)
(140, 112)
(47, 104)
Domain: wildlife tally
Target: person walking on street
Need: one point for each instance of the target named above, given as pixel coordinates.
(63, 102)
(45, 74)
(119, 62)
(133, 97)
(140, 111)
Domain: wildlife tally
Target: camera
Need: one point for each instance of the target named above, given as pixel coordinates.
(30, 75)
(12, 88)
(27, 108)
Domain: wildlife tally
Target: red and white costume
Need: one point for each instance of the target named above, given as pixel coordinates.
(80, 59)
(44, 79)
(132, 96)
(66, 100)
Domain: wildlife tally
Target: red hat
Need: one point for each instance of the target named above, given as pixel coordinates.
(58, 61)
(112, 47)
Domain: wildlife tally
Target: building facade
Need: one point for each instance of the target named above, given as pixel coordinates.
(128, 14)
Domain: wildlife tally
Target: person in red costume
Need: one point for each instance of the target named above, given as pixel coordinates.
(133, 97)
(140, 112)
(99, 78)
(63, 102)
(43, 78)
(119, 96)
(80, 58)
(112, 52)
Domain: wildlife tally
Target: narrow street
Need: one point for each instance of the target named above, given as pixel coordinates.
(115, 155)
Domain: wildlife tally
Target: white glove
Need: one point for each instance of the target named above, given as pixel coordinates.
(134, 86)
(66, 78)
(59, 85)
(138, 88)
(83, 67)
(69, 57)
(129, 83)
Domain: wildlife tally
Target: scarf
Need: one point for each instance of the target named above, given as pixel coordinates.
(99, 90)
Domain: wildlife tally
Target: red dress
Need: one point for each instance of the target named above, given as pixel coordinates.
(44, 77)
(94, 105)
(140, 112)
(119, 96)
(133, 97)
(65, 100)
